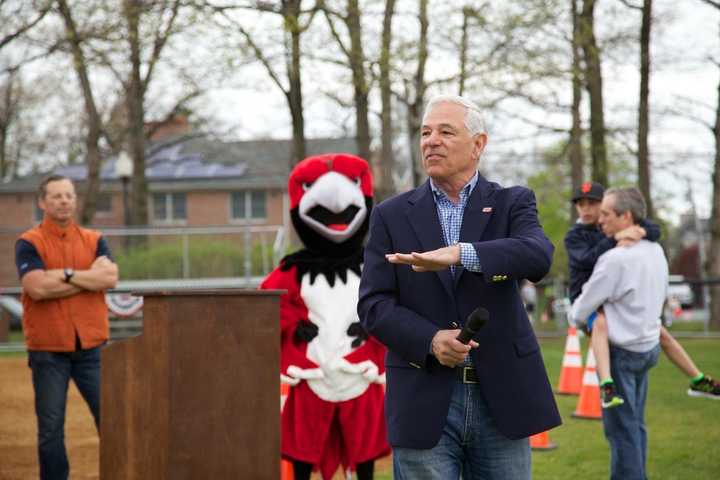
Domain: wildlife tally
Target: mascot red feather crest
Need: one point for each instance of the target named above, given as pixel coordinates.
(334, 411)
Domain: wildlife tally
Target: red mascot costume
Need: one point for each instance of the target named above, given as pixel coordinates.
(334, 411)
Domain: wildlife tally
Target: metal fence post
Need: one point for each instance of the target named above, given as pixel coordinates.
(248, 254)
(186, 255)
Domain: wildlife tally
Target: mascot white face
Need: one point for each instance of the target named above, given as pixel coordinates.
(330, 195)
(333, 206)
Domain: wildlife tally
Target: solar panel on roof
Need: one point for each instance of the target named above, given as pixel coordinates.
(75, 172)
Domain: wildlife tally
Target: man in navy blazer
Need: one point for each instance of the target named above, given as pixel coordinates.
(434, 255)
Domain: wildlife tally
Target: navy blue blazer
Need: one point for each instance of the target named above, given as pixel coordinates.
(404, 309)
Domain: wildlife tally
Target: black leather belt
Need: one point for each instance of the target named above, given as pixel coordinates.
(467, 374)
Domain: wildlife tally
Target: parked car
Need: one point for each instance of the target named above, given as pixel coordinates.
(680, 291)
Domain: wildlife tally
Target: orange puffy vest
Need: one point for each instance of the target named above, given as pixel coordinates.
(51, 325)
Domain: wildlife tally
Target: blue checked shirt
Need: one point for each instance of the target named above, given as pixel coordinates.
(451, 216)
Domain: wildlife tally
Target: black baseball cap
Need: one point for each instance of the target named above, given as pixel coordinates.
(591, 190)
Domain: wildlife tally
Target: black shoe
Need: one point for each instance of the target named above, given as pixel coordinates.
(707, 387)
(610, 399)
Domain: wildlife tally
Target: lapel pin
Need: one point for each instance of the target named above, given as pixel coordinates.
(487, 209)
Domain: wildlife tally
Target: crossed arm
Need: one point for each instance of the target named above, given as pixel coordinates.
(48, 284)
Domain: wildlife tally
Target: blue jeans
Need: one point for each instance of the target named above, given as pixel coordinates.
(51, 373)
(625, 424)
(470, 445)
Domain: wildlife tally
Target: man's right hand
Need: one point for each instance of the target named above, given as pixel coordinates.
(448, 350)
(102, 262)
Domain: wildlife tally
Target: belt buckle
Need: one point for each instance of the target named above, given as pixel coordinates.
(465, 375)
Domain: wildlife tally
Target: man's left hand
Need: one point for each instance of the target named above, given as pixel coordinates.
(431, 261)
(630, 236)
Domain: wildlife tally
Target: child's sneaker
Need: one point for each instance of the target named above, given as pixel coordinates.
(706, 387)
(610, 399)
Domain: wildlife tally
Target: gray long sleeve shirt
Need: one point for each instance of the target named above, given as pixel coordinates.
(630, 283)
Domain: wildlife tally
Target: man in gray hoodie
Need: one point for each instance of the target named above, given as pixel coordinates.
(630, 284)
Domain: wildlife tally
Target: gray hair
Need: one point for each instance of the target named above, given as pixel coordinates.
(629, 200)
(473, 115)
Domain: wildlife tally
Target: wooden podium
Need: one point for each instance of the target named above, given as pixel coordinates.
(197, 394)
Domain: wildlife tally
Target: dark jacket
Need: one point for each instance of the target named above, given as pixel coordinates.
(404, 309)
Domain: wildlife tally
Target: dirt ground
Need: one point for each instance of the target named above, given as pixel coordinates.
(18, 434)
(18, 430)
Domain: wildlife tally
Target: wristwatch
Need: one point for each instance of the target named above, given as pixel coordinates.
(69, 272)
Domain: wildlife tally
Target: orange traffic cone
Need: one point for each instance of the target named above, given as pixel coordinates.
(286, 468)
(588, 405)
(571, 373)
(541, 441)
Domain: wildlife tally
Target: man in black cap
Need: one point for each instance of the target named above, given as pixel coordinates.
(584, 243)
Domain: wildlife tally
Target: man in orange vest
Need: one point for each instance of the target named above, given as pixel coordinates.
(64, 270)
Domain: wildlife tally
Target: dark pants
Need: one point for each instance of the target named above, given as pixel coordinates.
(51, 373)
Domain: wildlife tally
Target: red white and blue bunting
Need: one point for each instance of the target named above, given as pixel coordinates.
(123, 304)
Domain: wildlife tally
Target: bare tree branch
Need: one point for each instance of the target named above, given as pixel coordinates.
(263, 59)
(334, 31)
(712, 3)
(159, 43)
(12, 36)
(51, 49)
(630, 5)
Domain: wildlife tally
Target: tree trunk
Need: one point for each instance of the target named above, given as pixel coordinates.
(643, 113)
(94, 127)
(385, 186)
(136, 118)
(713, 261)
(4, 161)
(8, 112)
(575, 150)
(593, 80)
(357, 64)
(463, 51)
(415, 108)
(291, 13)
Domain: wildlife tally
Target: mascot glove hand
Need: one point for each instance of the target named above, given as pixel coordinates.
(304, 374)
(380, 379)
(366, 368)
(289, 380)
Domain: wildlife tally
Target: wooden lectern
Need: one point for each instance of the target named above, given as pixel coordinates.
(196, 395)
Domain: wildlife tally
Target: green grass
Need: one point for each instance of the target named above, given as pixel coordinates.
(684, 438)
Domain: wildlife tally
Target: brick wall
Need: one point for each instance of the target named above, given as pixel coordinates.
(208, 208)
(17, 215)
(16, 210)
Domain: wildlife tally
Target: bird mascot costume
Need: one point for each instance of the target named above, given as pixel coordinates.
(334, 410)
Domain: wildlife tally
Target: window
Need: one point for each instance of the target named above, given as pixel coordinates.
(169, 207)
(248, 205)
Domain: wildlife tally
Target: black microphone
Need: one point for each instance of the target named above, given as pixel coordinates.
(475, 321)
